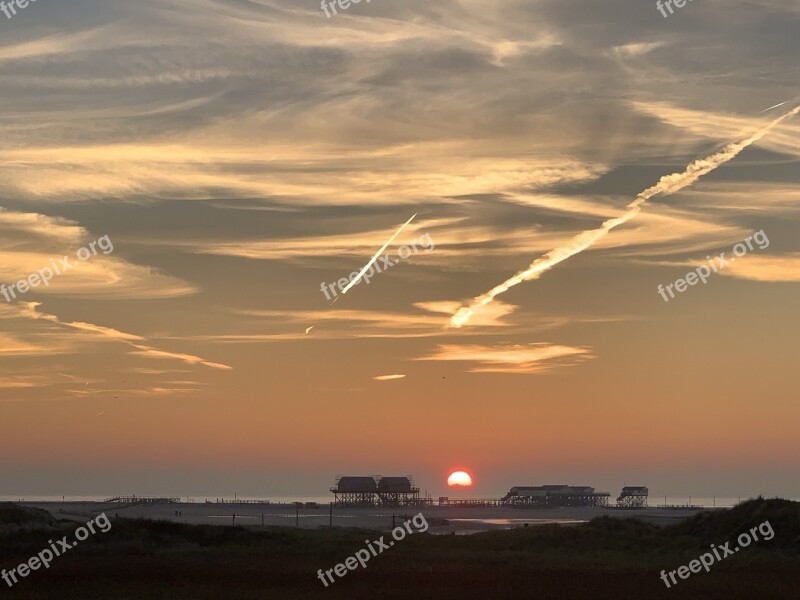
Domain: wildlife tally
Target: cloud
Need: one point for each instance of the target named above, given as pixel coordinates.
(388, 377)
(150, 352)
(497, 229)
(754, 267)
(201, 168)
(751, 267)
(13, 346)
(31, 310)
(31, 242)
(491, 315)
(716, 124)
(637, 49)
(531, 358)
(352, 323)
(103, 331)
(25, 381)
(762, 197)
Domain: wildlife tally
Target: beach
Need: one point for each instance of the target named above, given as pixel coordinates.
(442, 519)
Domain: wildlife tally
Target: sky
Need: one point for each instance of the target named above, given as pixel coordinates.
(229, 159)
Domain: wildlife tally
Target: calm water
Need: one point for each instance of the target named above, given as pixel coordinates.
(522, 521)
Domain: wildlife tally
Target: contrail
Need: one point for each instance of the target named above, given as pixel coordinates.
(776, 106)
(377, 254)
(668, 184)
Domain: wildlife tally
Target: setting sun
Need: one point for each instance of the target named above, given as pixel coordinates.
(461, 478)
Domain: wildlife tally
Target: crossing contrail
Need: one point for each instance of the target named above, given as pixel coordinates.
(377, 254)
(668, 184)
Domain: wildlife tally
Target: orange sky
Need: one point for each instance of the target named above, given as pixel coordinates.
(241, 155)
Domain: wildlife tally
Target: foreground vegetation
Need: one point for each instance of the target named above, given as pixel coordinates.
(605, 558)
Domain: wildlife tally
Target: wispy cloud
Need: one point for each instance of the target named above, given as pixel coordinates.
(31, 240)
(31, 310)
(150, 352)
(765, 268)
(531, 358)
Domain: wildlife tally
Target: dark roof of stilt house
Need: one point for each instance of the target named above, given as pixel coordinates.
(356, 484)
(394, 484)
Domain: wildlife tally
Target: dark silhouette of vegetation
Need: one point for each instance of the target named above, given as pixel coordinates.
(608, 557)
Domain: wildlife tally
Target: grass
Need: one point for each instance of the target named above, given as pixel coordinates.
(605, 558)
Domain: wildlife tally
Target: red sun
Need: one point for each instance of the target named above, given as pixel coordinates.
(459, 479)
